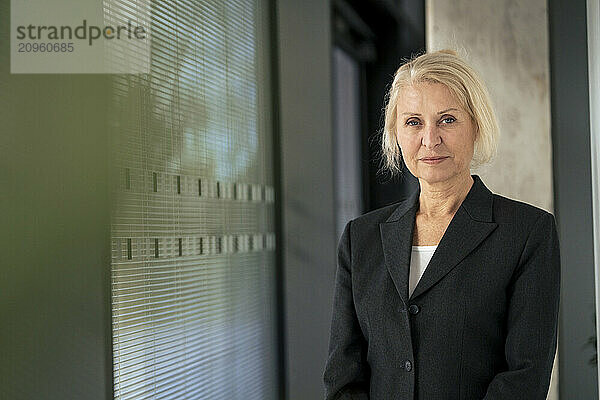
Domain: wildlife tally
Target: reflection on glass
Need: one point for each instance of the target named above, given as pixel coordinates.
(193, 304)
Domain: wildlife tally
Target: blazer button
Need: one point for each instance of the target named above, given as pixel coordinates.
(413, 309)
(408, 365)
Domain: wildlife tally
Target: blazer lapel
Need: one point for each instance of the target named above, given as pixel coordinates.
(471, 224)
(396, 239)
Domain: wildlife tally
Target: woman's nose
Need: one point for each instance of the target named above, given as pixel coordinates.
(431, 136)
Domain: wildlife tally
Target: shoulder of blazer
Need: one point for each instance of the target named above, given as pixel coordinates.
(507, 210)
(378, 215)
(367, 225)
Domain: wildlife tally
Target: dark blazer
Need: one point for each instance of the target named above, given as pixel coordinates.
(480, 324)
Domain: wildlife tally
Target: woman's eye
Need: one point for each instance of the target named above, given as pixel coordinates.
(448, 120)
(412, 122)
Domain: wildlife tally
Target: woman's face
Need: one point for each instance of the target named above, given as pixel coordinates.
(431, 123)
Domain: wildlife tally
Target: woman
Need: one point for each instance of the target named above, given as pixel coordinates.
(453, 292)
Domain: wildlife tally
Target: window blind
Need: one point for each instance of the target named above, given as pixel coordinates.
(193, 307)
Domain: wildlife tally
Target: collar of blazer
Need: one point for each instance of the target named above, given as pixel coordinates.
(471, 224)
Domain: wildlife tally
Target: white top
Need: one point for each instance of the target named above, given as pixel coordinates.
(420, 257)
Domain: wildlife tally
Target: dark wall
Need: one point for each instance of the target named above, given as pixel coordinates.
(573, 197)
(379, 36)
(308, 239)
(399, 30)
(55, 243)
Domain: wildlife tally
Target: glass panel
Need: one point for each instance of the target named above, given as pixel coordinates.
(193, 214)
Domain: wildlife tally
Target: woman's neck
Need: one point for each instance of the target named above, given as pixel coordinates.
(442, 199)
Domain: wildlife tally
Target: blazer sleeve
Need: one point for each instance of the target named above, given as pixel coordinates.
(346, 374)
(532, 318)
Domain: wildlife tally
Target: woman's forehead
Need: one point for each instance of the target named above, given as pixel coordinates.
(425, 96)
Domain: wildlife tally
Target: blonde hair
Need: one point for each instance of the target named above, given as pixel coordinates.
(447, 68)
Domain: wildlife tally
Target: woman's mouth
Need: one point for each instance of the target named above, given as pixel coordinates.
(433, 160)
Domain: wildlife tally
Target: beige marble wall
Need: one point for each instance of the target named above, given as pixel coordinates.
(507, 42)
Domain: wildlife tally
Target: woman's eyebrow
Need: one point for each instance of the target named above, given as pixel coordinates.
(448, 109)
(441, 112)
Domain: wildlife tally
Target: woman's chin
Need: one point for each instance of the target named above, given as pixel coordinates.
(433, 175)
